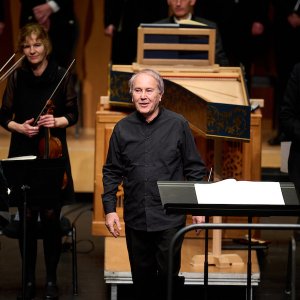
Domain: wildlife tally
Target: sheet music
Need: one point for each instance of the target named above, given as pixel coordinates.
(231, 191)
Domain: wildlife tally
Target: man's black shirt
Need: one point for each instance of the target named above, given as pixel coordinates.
(139, 155)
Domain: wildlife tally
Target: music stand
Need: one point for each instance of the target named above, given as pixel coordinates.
(33, 183)
(180, 198)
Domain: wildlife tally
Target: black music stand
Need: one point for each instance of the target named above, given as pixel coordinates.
(33, 183)
(179, 197)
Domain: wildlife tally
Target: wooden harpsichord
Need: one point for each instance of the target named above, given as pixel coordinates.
(213, 100)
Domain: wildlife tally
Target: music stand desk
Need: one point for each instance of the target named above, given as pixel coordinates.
(180, 197)
(33, 183)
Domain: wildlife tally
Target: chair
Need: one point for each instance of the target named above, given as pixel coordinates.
(13, 228)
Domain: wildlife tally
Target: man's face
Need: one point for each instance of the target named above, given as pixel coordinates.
(181, 8)
(146, 96)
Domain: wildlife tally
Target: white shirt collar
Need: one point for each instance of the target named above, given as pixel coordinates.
(189, 17)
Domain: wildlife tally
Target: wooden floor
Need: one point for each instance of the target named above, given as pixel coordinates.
(229, 269)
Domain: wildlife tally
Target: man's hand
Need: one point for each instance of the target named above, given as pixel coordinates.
(294, 20)
(257, 28)
(109, 30)
(2, 25)
(112, 223)
(198, 220)
(42, 13)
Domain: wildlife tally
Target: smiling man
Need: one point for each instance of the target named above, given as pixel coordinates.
(149, 145)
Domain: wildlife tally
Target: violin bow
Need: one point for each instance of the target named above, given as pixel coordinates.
(12, 68)
(57, 86)
(7, 62)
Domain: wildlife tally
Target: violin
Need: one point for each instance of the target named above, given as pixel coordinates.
(50, 146)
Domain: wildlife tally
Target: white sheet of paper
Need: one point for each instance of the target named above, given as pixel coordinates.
(231, 191)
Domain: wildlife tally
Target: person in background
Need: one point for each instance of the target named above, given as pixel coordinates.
(290, 123)
(2, 16)
(286, 35)
(183, 10)
(149, 145)
(121, 20)
(23, 114)
(58, 18)
(243, 26)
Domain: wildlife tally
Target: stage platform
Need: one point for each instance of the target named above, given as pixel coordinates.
(117, 269)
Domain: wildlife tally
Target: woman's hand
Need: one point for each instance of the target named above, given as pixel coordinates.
(50, 121)
(26, 128)
(47, 121)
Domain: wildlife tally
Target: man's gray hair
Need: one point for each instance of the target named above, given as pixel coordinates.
(150, 72)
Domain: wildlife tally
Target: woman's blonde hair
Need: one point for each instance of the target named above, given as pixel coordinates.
(40, 32)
